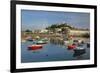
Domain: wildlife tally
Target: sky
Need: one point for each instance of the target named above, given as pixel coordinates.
(35, 19)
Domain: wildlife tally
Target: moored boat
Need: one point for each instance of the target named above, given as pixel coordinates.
(40, 42)
(29, 38)
(79, 51)
(35, 47)
(70, 47)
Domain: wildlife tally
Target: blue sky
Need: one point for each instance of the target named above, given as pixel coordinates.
(32, 19)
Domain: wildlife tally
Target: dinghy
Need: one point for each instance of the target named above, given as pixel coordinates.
(35, 47)
(80, 50)
(70, 47)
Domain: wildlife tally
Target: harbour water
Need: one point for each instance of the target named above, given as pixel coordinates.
(49, 52)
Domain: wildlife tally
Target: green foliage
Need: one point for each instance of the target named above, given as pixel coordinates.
(53, 26)
(59, 26)
(28, 30)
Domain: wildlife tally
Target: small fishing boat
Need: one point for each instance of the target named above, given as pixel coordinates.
(35, 47)
(45, 40)
(40, 42)
(70, 47)
(29, 38)
(79, 51)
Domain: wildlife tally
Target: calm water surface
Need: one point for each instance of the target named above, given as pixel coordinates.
(49, 52)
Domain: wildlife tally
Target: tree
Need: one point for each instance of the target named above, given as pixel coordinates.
(28, 30)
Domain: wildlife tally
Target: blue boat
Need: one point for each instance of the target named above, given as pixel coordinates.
(80, 50)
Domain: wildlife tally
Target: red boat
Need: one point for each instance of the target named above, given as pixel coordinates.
(70, 47)
(35, 47)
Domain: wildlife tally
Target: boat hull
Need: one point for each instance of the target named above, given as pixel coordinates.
(70, 47)
(42, 43)
(78, 52)
(35, 47)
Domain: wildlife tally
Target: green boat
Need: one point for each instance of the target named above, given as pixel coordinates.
(42, 41)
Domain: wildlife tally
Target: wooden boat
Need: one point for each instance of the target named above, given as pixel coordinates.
(40, 42)
(70, 47)
(29, 38)
(35, 47)
(79, 51)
